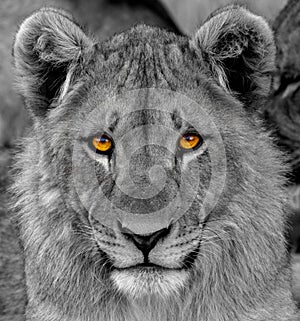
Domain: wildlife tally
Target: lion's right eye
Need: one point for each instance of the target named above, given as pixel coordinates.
(190, 141)
(101, 144)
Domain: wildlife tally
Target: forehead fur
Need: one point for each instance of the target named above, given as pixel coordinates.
(145, 57)
(148, 57)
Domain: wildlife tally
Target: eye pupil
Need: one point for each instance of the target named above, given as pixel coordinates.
(190, 138)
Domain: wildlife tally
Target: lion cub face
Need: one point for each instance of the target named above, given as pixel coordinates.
(146, 162)
(153, 168)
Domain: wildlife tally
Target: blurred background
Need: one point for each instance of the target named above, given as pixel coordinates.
(188, 14)
(106, 17)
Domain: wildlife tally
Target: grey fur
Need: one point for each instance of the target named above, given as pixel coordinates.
(241, 270)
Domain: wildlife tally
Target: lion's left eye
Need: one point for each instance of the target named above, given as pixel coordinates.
(101, 144)
(190, 141)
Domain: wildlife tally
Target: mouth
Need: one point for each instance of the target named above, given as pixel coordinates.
(149, 279)
(146, 266)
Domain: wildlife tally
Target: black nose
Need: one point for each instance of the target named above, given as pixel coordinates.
(146, 243)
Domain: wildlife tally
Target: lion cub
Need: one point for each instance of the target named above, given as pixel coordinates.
(148, 188)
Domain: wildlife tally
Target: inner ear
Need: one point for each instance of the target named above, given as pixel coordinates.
(239, 49)
(50, 50)
(239, 57)
(53, 80)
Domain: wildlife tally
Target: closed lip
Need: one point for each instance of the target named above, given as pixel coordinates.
(150, 267)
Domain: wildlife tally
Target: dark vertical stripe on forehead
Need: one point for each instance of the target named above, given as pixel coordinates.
(144, 76)
(146, 66)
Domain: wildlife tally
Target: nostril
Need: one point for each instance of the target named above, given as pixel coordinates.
(146, 243)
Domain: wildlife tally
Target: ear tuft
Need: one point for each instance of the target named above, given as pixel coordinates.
(239, 49)
(47, 47)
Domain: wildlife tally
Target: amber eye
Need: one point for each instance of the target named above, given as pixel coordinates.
(190, 141)
(102, 144)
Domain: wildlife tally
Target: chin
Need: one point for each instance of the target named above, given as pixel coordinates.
(140, 281)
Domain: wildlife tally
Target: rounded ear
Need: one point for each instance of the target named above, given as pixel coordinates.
(47, 47)
(239, 48)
